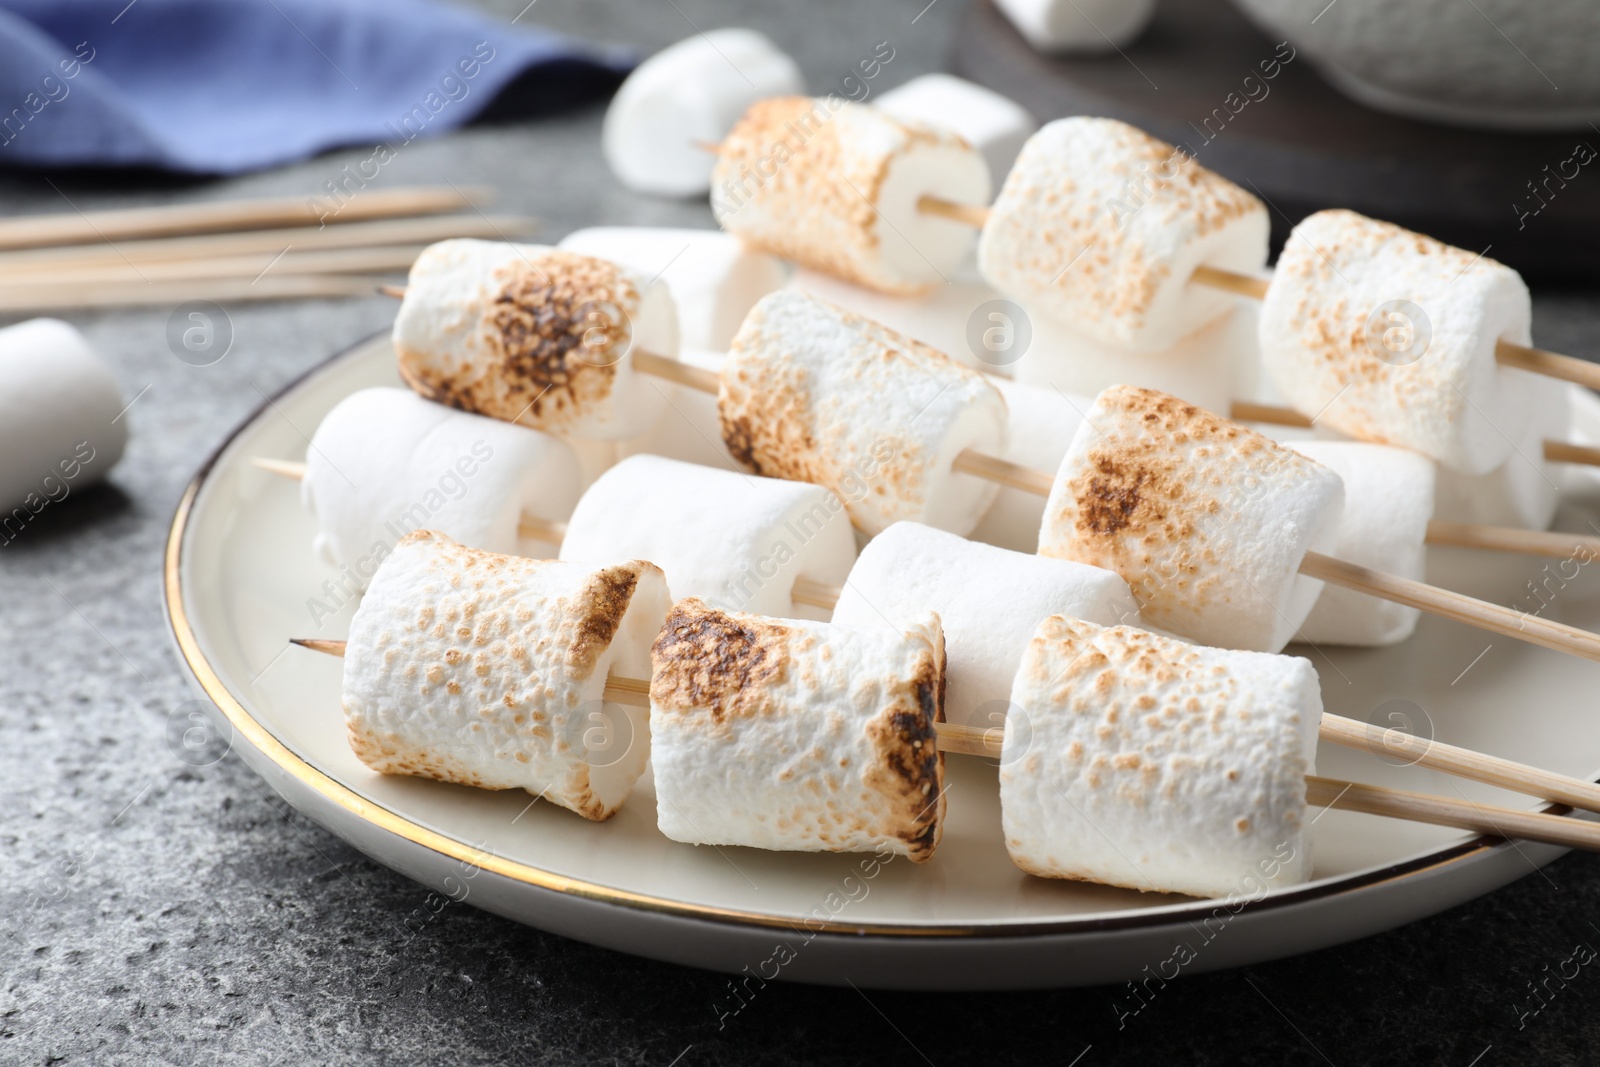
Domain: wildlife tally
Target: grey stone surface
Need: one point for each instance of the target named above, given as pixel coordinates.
(155, 912)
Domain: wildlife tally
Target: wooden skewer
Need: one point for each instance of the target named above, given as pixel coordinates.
(96, 226)
(58, 295)
(376, 260)
(407, 231)
(1320, 792)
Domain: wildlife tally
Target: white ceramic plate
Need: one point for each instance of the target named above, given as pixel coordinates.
(240, 574)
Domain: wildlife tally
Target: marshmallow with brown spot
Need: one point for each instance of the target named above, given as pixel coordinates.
(534, 335)
(1208, 521)
(735, 540)
(1040, 429)
(1388, 500)
(714, 278)
(989, 602)
(385, 462)
(1389, 336)
(834, 185)
(489, 670)
(1100, 226)
(798, 736)
(1140, 761)
(813, 393)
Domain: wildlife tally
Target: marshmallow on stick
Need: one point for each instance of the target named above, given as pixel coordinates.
(534, 335)
(798, 736)
(1099, 226)
(816, 394)
(1388, 500)
(62, 424)
(489, 670)
(385, 462)
(1523, 491)
(1389, 336)
(1208, 521)
(989, 602)
(731, 539)
(834, 185)
(1140, 761)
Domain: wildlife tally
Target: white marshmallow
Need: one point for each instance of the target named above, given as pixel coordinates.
(834, 185)
(734, 540)
(989, 602)
(1389, 336)
(690, 429)
(489, 670)
(385, 462)
(1100, 225)
(714, 279)
(800, 736)
(1040, 429)
(1524, 490)
(1209, 367)
(813, 393)
(692, 92)
(993, 124)
(1208, 521)
(1139, 761)
(1388, 500)
(534, 335)
(1078, 25)
(62, 425)
(940, 318)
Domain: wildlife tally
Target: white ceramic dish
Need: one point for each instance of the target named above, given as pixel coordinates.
(240, 572)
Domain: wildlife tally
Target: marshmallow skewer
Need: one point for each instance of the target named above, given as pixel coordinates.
(552, 532)
(1320, 792)
(1507, 353)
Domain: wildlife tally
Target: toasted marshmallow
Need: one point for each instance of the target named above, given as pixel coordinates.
(731, 539)
(489, 670)
(62, 419)
(1388, 500)
(1209, 367)
(1100, 225)
(1523, 491)
(1140, 761)
(385, 462)
(989, 602)
(941, 318)
(1040, 429)
(535, 336)
(687, 96)
(1208, 521)
(797, 736)
(1389, 336)
(1078, 25)
(993, 124)
(834, 185)
(714, 279)
(813, 393)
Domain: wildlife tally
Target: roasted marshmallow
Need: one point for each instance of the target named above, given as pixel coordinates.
(734, 540)
(813, 393)
(1389, 336)
(1208, 521)
(797, 736)
(534, 335)
(834, 185)
(489, 670)
(1140, 761)
(1100, 226)
(989, 602)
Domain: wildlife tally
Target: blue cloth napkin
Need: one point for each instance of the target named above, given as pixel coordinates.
(224, 86)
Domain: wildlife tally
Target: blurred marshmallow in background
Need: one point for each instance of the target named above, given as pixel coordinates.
(693, 91)
(1078, 25)
(61, 419)
(989, 122)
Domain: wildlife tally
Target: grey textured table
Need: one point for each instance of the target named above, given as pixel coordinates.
(154, 912)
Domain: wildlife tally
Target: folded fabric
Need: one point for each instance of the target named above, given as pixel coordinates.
(224, 86)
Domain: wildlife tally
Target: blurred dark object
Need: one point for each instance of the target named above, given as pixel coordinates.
(224, 86)
(1199, 76)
